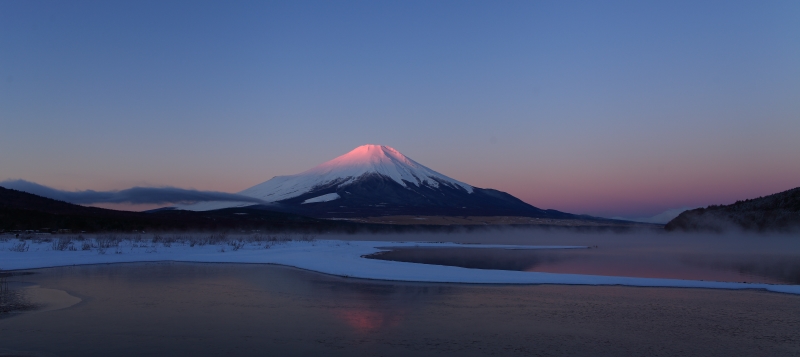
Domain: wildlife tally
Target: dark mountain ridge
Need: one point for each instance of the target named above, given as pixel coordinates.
(778, 212)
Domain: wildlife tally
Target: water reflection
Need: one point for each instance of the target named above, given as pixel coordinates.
(613, 261)
(365, 320)
(781, 268)
(374, 306)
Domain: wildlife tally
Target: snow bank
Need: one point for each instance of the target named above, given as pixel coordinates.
(323, 198)
(342, 258)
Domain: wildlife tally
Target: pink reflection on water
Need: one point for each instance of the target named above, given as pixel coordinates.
(365, 320)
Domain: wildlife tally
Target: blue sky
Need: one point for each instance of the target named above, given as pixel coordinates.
(614, 108)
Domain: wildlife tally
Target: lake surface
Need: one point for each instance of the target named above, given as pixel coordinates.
(187, 309)
(616, 260)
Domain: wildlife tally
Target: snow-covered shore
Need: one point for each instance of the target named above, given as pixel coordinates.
(335, 257)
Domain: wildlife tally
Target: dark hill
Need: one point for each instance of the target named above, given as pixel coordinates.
(13, 199)
(778, 212)
(24, 211)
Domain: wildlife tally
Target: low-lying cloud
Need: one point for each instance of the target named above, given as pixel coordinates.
(134, 195)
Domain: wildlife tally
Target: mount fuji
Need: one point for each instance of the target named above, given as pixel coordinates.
(377, 180)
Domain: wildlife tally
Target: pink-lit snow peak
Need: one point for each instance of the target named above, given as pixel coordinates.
(366, 158)
(341, 171)
(345, 169)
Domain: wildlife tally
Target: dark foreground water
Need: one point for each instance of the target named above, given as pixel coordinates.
(181, 309)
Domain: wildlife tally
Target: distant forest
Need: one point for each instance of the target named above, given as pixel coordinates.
(779, 213)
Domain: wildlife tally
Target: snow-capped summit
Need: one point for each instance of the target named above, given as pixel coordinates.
(359, 163)
(377, 180)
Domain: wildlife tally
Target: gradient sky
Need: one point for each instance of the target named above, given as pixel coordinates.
(602, 107)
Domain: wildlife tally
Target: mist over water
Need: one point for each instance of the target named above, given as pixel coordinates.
(733, 256)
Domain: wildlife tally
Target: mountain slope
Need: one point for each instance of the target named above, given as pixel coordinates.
(375, 180)
(778, 212)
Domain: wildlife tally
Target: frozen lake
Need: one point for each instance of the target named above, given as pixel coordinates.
(201, 309)
(178, 298)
